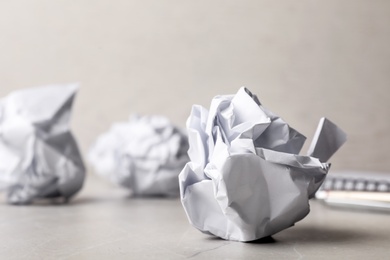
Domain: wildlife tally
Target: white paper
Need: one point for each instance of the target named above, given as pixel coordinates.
(245, 179)
(39, 157)
(144, 155)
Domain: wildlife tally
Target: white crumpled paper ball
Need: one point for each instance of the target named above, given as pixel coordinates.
(145, 155)
(245, 180)
(39, 157)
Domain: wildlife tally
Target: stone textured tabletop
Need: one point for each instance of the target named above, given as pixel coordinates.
(103, 223)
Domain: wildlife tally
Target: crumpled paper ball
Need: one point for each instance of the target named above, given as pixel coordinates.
(245, 180)
(145, 155)
(39, 157)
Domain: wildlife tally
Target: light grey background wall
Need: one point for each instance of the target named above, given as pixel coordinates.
(304, 59)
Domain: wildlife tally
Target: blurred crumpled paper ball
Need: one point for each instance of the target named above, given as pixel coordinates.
(144, 155)
(245, 180)
(39, 157)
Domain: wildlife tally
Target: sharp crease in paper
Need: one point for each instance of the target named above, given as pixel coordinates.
(245, 179)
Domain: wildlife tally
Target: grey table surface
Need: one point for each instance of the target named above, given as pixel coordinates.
(103, 223)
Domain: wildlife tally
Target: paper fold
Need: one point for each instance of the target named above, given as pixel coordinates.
(144, 155)
(246, 179)
(40, 158)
